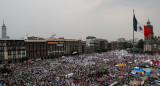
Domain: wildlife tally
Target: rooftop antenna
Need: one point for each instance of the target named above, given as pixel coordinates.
(3, 21)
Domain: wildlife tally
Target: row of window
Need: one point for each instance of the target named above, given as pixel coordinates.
(2, 44)
(15, 56)
(1, 53)
(1, 48)
(9, 53)
(9, 48)
(16, 52)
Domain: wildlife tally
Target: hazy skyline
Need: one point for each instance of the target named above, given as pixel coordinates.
(76, 19)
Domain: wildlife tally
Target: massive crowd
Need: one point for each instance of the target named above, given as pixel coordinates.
(80, 70)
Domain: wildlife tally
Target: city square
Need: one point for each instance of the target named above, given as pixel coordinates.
(79, 43)
(81, 70)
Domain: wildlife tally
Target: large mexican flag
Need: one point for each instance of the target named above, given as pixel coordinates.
(140, 27)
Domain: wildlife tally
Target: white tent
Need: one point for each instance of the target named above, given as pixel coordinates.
(105, 60)
(133, 71)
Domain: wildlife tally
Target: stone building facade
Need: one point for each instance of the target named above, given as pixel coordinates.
(152, 43)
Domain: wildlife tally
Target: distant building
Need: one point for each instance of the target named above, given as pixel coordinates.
(36, 48)
(51, 48)
(93, 44)
(11, 50)
(35, 38)
(135, 40)
(116, 45)
(4, 32)
(121, 40)
(83, 46)
(152, 43)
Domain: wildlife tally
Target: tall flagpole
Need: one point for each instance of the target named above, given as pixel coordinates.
(133, 38)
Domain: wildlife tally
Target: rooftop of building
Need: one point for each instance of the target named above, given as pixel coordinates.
(59, 39)
(9, 39)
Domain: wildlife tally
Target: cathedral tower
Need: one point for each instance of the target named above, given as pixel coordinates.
(151, 36)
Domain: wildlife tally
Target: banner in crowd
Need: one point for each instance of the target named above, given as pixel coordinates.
(54, 63)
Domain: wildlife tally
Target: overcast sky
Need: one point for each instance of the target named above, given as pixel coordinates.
(76, 19)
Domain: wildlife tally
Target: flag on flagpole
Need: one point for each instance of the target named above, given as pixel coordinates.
(140, 27)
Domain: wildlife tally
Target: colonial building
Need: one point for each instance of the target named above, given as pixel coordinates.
(152, 43)
(12, 50)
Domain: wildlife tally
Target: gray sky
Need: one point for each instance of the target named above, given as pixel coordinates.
(76, 19)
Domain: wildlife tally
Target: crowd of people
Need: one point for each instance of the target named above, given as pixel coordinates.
(79, 70)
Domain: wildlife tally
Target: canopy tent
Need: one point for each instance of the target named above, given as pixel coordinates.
(138, 71)
(141, 70)
(136, 68)
(133, 72)
(139, 74)
(122, 64)
(147, 71)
